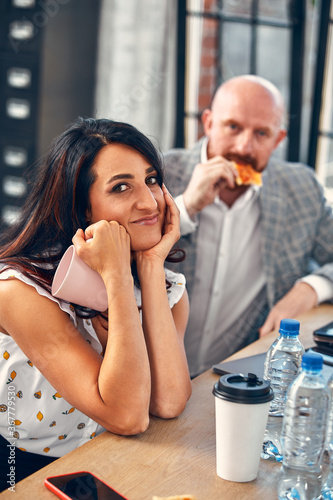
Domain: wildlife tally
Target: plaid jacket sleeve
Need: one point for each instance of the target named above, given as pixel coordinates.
(297, 227)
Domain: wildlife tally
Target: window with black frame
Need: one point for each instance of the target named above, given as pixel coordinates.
(225, 38)
(321, 136)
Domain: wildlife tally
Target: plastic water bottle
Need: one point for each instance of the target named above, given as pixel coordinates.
(303, 432)
(282, 365)
(327, 492)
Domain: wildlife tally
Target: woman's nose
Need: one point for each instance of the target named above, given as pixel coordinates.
(146, 199)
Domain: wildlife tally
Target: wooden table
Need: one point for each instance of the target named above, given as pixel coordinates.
(171, 457)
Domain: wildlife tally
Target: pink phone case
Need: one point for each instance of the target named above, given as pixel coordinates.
(63, 495)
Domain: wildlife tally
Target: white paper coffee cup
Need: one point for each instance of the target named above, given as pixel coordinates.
(241, 412)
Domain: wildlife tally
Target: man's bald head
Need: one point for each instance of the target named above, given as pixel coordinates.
(256, 87)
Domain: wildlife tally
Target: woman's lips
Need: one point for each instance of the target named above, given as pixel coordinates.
(147, 221)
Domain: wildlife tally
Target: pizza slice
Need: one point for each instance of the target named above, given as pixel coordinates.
(247, 175)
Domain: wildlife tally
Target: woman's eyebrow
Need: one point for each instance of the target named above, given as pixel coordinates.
(150, 169)
(119, 177)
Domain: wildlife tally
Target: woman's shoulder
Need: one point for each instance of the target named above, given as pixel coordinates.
(176, 279)
(16, 276)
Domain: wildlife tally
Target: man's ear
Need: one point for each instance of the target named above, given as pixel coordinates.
(281, 135)
(206, 119)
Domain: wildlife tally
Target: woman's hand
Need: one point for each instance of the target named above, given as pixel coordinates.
(105, 247)
(170, 236)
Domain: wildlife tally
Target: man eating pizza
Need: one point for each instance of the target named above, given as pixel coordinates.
(255, 253)
(247, 176)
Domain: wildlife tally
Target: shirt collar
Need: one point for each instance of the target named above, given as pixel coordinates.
(203, 154)
(251, 195)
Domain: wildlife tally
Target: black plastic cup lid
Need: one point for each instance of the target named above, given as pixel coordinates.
(245, 389)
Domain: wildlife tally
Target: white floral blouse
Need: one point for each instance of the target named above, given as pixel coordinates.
(33, 415)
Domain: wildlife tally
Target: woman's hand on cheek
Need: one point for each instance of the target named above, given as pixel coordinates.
(171, 229)
(170, 232)
(105, 247)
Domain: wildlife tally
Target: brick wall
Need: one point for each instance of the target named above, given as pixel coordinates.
(208, 61)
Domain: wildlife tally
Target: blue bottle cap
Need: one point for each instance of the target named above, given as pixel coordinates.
(289, 327)
(312, 361)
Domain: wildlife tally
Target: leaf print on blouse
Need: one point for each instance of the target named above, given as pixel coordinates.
(63, 436)
(19, 394)
(17, 422)
(38, 395)
(52, 424)
(12, 377)
(67, 412)
(3, 408)
(30, 363)
(40, 416)
(81, 426)
(46, 450)
(56, 395)
(6, 355)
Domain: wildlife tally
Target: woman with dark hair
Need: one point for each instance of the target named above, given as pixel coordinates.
(68, 373)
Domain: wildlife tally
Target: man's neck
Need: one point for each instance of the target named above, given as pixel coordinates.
(229, 196)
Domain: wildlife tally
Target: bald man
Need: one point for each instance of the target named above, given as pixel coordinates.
(255, 254)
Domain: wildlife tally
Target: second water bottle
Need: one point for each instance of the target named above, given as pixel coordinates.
(303, 432)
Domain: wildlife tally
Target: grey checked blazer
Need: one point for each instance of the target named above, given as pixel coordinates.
(296, 222)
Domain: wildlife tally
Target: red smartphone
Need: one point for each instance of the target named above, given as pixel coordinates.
(81, 486)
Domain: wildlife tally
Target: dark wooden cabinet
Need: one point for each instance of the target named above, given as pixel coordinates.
(47, 78)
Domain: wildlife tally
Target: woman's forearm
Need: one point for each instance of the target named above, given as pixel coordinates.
(170, 382)
(124, 377)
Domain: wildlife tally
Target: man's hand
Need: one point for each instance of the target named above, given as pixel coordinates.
(206, 181)
(300, 299)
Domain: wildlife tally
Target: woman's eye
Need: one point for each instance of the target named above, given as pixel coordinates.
(152, 180)
(119, 188)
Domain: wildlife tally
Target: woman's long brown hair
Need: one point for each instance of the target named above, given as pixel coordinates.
(59, 196)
